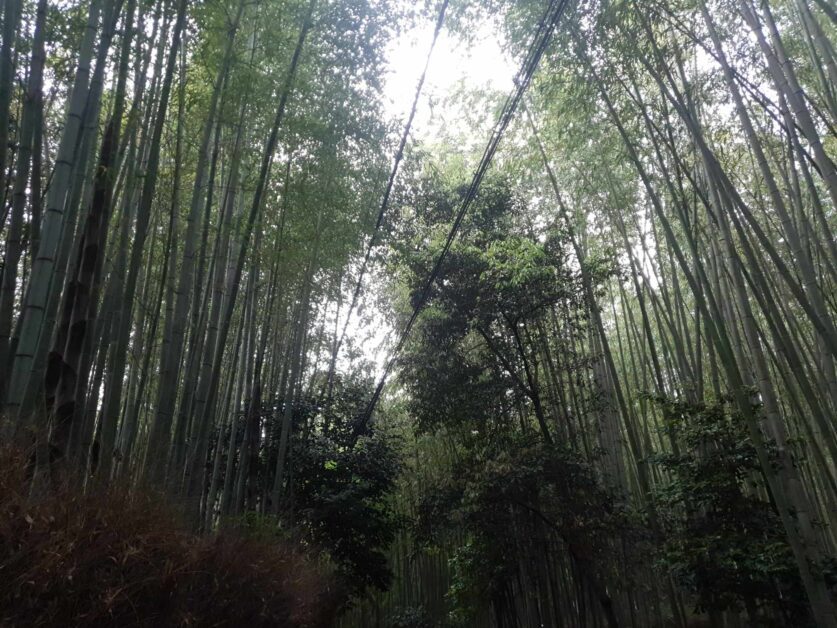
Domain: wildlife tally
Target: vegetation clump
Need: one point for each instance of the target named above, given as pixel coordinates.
(722, 539)
(113, 558)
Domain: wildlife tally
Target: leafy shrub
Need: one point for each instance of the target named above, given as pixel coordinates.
(410, 617)
(544, 493)
(723, 540)
(341, 506)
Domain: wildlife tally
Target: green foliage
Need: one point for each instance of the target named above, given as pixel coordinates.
(410, 617)
(548, 495)
(722, 539)
(479, 572)
(340, 499)
(496, 285)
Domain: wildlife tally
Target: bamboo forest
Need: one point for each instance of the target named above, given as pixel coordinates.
(418, 314)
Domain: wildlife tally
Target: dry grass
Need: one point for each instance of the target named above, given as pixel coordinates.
(106, 559)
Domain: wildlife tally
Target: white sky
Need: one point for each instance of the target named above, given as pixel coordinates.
(484, 64)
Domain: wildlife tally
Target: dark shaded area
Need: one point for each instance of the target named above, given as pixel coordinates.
(105, 559)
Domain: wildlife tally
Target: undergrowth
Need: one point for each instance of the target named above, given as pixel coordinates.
(113, 558)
